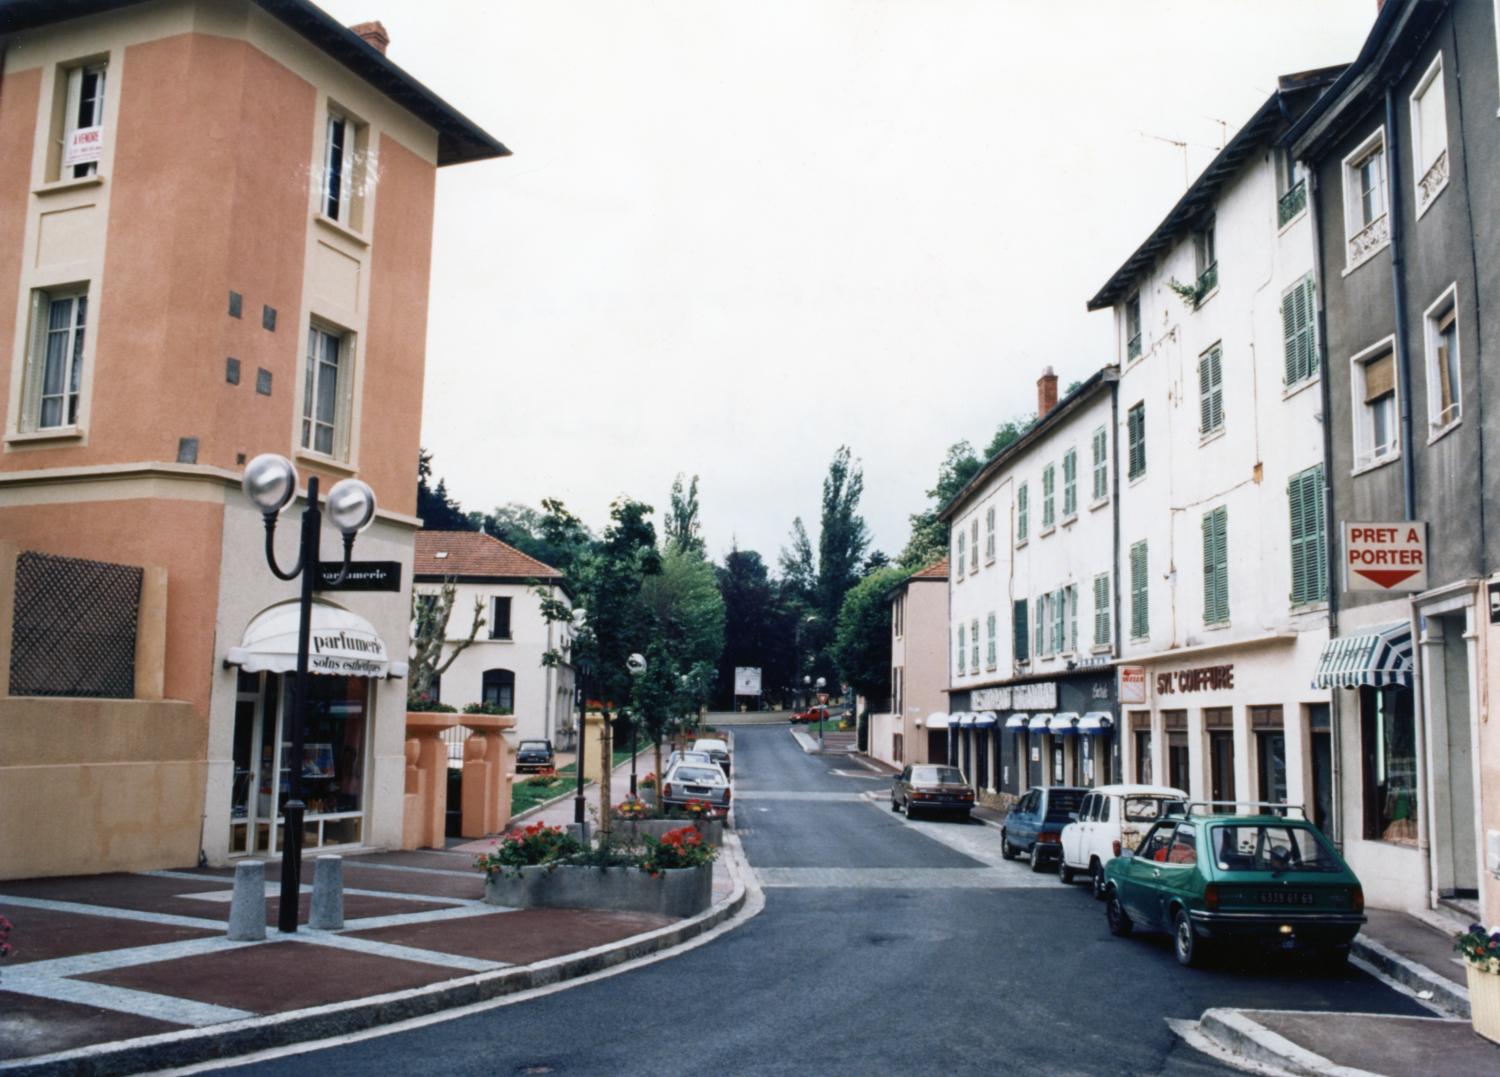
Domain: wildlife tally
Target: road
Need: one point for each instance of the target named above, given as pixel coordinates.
(884, 947)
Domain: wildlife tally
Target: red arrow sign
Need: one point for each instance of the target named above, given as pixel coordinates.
(1386, 577)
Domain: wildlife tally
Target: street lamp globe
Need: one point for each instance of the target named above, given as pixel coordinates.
(807, 680)
(580, 618)
(270, 481)
(822, 682)
(636, 664)
(351, 505)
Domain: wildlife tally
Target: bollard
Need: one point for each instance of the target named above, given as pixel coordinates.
(247, 910)
(328, 895)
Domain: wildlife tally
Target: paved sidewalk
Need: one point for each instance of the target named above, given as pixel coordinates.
(115, 957)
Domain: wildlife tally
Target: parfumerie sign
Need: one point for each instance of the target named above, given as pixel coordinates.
(1385, 557)
(362, 576)
(1202, 679)
(354, 653)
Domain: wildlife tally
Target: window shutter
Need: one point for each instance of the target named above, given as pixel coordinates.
(1072, 592)
(1140, 612)
(1020, 631)
(1101, 611)
(1298, 524)
(1210, 391)
(1379, 378)
(1059, 641)
(1215, 566)
(960, 649)
(1040, 611)
(35, 363)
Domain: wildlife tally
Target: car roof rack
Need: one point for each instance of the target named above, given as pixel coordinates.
(1237, 807)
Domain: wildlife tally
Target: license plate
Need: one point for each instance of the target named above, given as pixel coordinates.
(1286, 897)
(698, 789)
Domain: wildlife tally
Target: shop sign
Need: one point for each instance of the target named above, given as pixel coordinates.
(346, 651)
(83, 145)
(1132, 684)
(1033, 697)
(362, 576)
(990, 699)
(1201, 679)
(1385, 558)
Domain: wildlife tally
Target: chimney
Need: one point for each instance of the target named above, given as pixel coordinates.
(374, 35)
(1046, 393)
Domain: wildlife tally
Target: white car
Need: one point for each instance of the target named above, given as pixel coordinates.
(1112, 818)
(717, 750)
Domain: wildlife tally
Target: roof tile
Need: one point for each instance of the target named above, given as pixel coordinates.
(473, 553)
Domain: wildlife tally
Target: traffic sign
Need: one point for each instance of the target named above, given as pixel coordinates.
(1385, 557)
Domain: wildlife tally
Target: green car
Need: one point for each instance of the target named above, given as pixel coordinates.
(1210, 879)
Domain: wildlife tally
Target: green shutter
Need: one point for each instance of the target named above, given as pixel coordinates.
(1101, 472)
(960, 649)
(1289, 326)
(1101, 611)
(1140, 612)
(1211, 390)
(1299, 332)
(1216, 566)
(1073, 617)
(1020, 632)
(1309, 549)
(1136, 428)
(1021, 513)
(1049, 502)
(1070, 483)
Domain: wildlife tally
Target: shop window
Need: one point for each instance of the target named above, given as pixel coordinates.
(1388, 747)
(498, 689)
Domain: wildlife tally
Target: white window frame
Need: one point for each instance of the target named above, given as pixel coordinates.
(1445, 305)
(1429, 177)
(959, 549)
(72, 99)
(341, 438)
(1365, 459)
(1099, 450)
(1364, 239)
(352, 167)
(974, 546)
(76, 362)
(989, 535)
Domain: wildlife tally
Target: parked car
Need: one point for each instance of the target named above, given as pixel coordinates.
(700, 758)
(717, 750)
(1111, 819)
(810, 715)
(696, 781)
(535, 755)
(930, 787)
(1211, 879)
(1034, 826)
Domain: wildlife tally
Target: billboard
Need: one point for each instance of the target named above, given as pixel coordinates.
(747, 680)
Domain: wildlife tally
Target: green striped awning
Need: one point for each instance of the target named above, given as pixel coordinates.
(1374, 660)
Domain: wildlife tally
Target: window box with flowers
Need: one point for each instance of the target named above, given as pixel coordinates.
(1481, 953)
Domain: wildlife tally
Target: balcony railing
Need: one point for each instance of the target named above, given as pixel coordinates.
(1208, 280)
(1133, 347)
(1291, 203)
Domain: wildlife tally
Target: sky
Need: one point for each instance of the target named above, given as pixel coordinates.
(734, 236)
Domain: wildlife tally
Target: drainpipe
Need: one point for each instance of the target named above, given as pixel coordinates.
(1117, 763)
(1398, 300)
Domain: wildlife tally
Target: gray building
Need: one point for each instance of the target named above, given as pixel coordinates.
(1401, 153)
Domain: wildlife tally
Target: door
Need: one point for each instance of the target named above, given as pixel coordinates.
(1221, 765)
(1075, 835)
(1322, 766)
(1177, 761)
(1143, 872)
(1270, 752)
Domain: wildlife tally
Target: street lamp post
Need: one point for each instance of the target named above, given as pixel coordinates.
(637, 665)
(270, 483)
(819, 684)
(584, 667)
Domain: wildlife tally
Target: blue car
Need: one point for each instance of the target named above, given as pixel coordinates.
(1033, 828)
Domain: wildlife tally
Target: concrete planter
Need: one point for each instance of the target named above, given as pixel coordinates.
(1484, 1002)
(712, 830)
(680, 892)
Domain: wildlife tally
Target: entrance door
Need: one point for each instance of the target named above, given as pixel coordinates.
(1177, 760)
(1221, 764)
(1455, 807)
(1322, 766)
(937, 747)
(1270, 753)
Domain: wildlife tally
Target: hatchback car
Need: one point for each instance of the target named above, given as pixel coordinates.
(535, 755)
(929, 787)
(1111, 819)
(687, 782)
(1212, 879)
(1033, 828)
(717, 750)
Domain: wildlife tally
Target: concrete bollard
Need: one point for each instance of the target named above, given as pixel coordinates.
(328, 895)
(247, 910)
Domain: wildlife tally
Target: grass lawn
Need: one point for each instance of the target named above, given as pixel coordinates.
(524, 794)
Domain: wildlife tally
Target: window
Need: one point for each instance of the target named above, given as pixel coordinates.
(1070, 484)
(498, 687)
(1429, 136)
(1023, 513)
(1070, 596)
(1020, 633)
(54, 363)
(1135, 429)
(1058, 642)
(1291, 188)
(1206, 258)
(326, 392)
(1042, 606)
(1299, 337)
(1133, 327)
(974, 545)
(343, 168)
(989, 654)
(958, 557)
(1216, 566)
(961, 654)
(1140, 612)
(1304, 493)
(989, 534)
(1101, 464)
(79, 130)
(1366, 227)
(1389, 735)
(1049, 503)
(974, 645)
(1211, 391)
(1376, 437)
(1101, 610)
(499, 618)
(1444, 396)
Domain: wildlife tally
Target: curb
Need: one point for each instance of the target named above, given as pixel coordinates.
(1250, 1045)
(1445, 994)
(236, 1038)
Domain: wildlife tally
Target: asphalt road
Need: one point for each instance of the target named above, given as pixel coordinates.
(884, 947)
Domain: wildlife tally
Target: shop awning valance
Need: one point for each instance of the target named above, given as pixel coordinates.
(1017, 721)
(1039, 722)
(984, 720)
(342, 644)
(936, 721)
(1066, 722)
(1374, 660)
(966, 719)
(1095, 723)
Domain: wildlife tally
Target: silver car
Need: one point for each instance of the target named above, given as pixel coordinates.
(702, 782)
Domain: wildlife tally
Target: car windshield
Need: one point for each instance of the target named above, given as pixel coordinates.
(1149, 809)
(533, 745)
(1062, 801)
(937, 775)
(697, 774)
(709, 746)
(1256, 847)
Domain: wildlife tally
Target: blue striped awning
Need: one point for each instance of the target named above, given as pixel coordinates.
(1063, 723)
(984, 720)
(967, 719)
(1096, 723)
(1039, 723)
(1016, 721)
(1374, 660)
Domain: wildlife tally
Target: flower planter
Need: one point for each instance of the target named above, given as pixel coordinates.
(679, 892)
(711, 830)
(1484, 1002)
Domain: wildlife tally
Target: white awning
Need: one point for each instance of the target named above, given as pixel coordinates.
(342, 644)
(1380, 658)
(1096, 722)
(1064, 722)
(1039, 722)
(967, 718)
(936, 721)
(984, 719)
(1016, 721)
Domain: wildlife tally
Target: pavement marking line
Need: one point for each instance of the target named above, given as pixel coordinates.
(396, 951)
(179, 1011)
(900, 879)
(105, 960)
(771, 794)
(401, 919)
(274, 890)
(110, 911)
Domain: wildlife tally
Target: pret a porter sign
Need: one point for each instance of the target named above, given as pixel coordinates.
(1386, 558)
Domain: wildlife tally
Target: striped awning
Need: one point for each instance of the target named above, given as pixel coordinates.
(1017, 721)
(1063, 723)
(1039, 722)
(1380, 658)
(967, 719)
(984, 720)
(1095, 723)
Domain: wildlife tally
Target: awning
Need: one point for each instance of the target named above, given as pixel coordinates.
(984, 720)
(1380, 658)
(1016, 721)
(936, 721)
(1065, 722)
(967, 719)
(1039, 722)
(1095, 723)
(342, 643)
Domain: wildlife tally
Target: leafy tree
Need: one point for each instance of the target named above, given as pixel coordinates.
(438, 511)
(429, 618)
(757, 627)
(686, 607)
(862, 642)
(681, 525)
(876, 560)
(655, 696)
(1009, 432)
(798, 563)
(929, 535)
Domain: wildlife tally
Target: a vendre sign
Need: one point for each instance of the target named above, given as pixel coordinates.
(1385, 557)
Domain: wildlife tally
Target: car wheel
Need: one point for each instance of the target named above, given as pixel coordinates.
(1036, 856)
(1005, 850)
(1096, 880)
(1190, 949)
(1119, 922)
(911, 813)
(1064, 872)
(895, 806)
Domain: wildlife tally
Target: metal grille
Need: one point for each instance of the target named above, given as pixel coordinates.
(74, 629)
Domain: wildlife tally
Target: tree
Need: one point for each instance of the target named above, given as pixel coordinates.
(754, 625)
(429, 617)
(681, 525)
(686, 607)
(862, 643)
(1009, 432)
(798, 563)
(438, 511)
(553, 535)
(843, 537)
(929, 535)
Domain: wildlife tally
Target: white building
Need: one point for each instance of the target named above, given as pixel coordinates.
(503, 666)
(1032, 601)
(1222, 540)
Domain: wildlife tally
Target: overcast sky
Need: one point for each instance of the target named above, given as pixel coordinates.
(735, 235)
